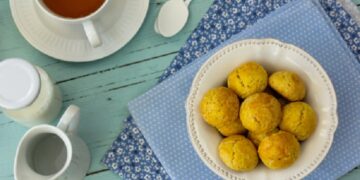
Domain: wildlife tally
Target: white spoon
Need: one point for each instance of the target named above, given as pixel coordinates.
(172, 17)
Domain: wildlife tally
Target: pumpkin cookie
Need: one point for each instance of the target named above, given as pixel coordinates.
(257, 138)
(248, 79)
(288, 84)
(279, 150)
(232, 128)
(260, 113)
(238, 153)
(219, 106)
(299, 119)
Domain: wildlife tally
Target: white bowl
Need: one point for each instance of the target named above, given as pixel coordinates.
(273, 55)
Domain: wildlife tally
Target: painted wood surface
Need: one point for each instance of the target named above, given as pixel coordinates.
(103, 88)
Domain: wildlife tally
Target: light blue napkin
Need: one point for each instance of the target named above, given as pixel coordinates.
(161, 117)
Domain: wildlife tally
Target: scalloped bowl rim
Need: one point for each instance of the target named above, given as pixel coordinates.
(192, 113)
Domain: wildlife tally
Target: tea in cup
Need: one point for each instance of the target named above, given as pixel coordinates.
(75, 12)
(73, 9)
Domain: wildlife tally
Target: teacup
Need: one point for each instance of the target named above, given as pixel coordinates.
(47, 152)
(87, 22)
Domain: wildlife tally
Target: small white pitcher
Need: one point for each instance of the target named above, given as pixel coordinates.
(47, 152)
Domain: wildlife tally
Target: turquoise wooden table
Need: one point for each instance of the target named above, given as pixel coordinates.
(103, 88)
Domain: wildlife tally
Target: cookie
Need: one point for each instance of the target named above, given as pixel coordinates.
(260, 113)
(288, 84)
(299, 119)
(248, 79)
(238, 153)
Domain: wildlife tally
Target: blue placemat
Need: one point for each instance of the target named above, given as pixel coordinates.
(130, 155)
(161, 116)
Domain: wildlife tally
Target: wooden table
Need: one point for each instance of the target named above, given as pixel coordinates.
(103, 88)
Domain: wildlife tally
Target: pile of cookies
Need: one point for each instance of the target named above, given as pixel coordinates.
(257, 120)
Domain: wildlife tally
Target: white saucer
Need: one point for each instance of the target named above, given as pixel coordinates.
(64, 43)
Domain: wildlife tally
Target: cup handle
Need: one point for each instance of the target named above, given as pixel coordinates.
(69, 121)
(91, 33)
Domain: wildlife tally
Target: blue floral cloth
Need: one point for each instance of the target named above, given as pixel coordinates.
(130, 156)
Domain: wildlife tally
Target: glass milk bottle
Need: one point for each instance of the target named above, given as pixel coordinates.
(27, 94)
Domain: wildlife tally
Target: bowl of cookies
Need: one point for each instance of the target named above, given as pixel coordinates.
(261, 109)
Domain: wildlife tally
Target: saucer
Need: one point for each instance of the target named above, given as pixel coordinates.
(70, 43)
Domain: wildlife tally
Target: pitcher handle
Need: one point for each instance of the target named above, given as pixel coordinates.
(69, 121)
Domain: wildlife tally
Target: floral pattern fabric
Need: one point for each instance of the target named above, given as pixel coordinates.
(130, 156)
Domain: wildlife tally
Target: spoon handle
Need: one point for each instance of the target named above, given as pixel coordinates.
(187, 2)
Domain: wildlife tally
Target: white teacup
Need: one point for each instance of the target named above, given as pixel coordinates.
(47, 152)
(86, 22)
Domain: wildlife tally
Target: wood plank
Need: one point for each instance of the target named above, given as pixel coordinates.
(103, 176)
(107, 84)
(98, 129)
(145, 45)
(356, 2)
(352, 175)
(10, 135)
(103, 108)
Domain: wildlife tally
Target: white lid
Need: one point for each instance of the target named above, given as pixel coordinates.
(19, 83)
